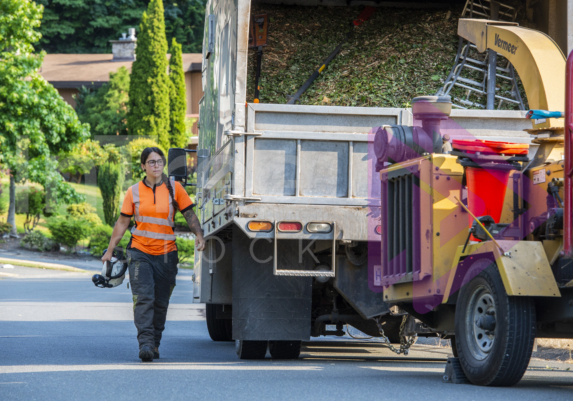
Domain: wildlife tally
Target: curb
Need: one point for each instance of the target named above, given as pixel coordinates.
(41, 265)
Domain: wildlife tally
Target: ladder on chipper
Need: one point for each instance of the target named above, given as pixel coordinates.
(477, 74)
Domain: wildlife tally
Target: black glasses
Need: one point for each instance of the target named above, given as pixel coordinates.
(159, 162)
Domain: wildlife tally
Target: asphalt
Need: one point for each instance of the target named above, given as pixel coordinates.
(62, 338)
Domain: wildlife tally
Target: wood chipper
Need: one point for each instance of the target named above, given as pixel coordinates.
(477, 241)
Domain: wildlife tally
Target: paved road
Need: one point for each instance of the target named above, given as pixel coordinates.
(63, 339)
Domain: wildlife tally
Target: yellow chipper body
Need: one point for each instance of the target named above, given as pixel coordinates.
(475, 242)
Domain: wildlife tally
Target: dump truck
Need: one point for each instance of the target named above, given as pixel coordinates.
(289, 202)
(477, 242)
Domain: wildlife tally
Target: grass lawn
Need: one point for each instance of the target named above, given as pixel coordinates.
(91, 193)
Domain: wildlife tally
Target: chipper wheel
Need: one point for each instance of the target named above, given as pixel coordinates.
(285, 349)
(251, 349)
(219, 329)
(494, 332)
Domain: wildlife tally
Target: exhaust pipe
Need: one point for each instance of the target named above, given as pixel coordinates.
(568, 188)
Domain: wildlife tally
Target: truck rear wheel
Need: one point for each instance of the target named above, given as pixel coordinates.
(251, 349)
(285, 349)
(494, 332)
(219, 329)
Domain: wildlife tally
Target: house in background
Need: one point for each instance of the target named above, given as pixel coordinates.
(69, 72)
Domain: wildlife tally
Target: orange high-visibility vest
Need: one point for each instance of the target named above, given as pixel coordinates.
(153, 211)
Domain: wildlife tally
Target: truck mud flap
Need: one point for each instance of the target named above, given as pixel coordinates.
(265, 306)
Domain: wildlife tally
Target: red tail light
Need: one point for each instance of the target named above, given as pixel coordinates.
(378, 230)
(290, 226)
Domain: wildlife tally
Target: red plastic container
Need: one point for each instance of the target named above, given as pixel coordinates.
(487, 186)
(486, 191)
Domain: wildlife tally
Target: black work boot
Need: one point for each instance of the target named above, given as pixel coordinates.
(146, 353)
(156, 353)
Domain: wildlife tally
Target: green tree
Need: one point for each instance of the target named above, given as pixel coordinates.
(105, 109)
(87, 26)
(32, 203)
(82, 159)
(148, 113)
(185, 21)
(35, 122)
(177, 99)
(110, 181)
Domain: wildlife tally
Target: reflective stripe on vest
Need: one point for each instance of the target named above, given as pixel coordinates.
(153, 235)
(153, 220)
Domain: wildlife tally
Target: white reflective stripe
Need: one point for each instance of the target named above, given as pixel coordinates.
(171, 209)
(151, 234)
(155, 220)
(135, 196)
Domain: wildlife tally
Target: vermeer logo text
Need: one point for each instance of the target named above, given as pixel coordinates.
(502, 44)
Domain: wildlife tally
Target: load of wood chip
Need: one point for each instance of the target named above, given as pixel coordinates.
(398, 54)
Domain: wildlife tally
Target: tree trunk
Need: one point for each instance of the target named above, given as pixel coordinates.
(79, 178)
(12, 207)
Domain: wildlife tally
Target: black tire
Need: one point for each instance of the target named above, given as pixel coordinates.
(219, 329)
(251, 349)
(498, 356)
(285, 349)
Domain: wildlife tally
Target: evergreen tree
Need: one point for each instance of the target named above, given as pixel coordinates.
(110, 179)
(177, 100)
(105, 109)
(148, 113)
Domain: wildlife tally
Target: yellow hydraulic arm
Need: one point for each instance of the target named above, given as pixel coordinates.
(534, 55)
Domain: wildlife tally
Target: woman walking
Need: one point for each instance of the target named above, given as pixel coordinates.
(152, 253)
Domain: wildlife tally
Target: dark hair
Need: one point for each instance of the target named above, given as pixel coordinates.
(144, 155)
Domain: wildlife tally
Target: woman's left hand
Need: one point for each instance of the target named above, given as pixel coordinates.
(200, 243)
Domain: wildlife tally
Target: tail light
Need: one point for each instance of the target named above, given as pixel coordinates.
(290, 226)
(378, 230)
(318, 228)
(265, 226)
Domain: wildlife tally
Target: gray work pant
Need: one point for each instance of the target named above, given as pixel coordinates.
(152, 279)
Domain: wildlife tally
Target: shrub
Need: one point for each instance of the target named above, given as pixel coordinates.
(133, 150)
(125, 240)
(5, 228)
(99, 239)
(84, 211)
(68, 230)
(36, 239)
(110, 181)
(181, 223)
(186, 250)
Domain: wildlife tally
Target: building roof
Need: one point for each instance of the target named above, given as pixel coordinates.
(75, 70)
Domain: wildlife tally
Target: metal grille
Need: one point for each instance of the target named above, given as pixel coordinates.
(401, 234)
